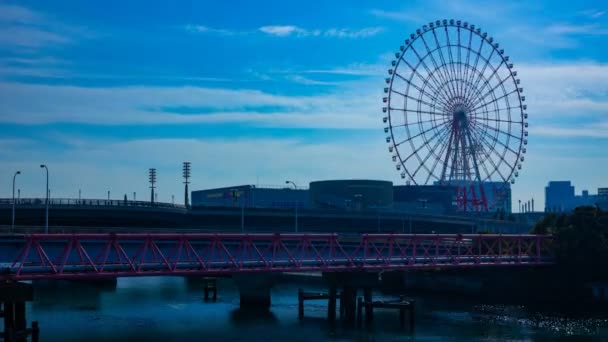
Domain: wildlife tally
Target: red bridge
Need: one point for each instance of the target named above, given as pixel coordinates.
(78, 256)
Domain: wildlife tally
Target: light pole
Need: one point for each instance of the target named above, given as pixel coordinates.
(519, 205)
(46, 224)
(295, 187)
(13, 219)
(152, 178)
(186, 174)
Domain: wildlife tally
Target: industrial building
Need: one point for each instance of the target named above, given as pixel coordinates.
(350, 195)
(560, 196)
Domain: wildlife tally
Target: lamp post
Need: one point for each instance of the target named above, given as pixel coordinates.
(46, 224)
(295, 187)
(13, 218)
(519, 201)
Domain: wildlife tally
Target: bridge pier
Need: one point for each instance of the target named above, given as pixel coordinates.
(254, 290)
(13, 296)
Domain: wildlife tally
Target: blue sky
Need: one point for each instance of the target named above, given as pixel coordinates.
(264, 91)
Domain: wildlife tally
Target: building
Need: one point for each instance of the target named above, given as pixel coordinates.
(351, 195)
(430, 199)
(250, 196)
(560, 196)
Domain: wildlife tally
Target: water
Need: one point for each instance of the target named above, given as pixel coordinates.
(172, 309)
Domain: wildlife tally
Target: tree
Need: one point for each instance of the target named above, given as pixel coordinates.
(580, 243)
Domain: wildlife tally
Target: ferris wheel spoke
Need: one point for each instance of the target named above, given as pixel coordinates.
(467, 65)
(447, 155)
(438, 133)
(492, 150)
(421, 134)
(423, 162)
(492, 90)
(486, 82)
(405, 124)
(494, 100)
(483, 70)
(450, 67)
(460, 65)
(438, 156)
(482, 162)
(430, 72)
(473, 156)
(498, 120)
(450, 57)
(443, 63)
(500, 142)
(498, 130)
(419, 111)
(436, 83)
(422, 91)
(477, 55)
(488, 159)
(497, 111)
(440, 72)
(413, 98)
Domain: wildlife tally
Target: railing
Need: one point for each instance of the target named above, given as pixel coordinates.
(87, 202)
(73, 256)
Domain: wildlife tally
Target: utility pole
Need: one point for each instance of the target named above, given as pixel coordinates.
(152, 179)
(13, 219)
(295, 187)
(48, 194)
(186, 175)
(519, 205)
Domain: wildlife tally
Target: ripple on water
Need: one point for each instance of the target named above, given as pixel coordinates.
(555, 323)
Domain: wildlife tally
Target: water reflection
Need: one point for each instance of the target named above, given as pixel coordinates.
(173, 309)
(240, 317)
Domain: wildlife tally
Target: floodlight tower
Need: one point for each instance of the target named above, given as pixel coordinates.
(186, 174)
(152, 179)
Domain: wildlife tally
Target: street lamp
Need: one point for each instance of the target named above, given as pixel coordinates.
(295, 187)
(13, 219)
(46, 224)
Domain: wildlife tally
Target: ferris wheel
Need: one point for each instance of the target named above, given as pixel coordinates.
(454, 109)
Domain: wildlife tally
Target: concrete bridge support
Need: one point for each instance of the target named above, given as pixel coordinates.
(13, 296)
(254, 289)
(350, 283)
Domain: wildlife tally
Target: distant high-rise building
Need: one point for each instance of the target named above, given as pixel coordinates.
(560, 197)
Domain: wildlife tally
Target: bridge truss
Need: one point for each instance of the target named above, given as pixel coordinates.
(89, 256)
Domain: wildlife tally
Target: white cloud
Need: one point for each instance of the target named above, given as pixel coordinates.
(598, 130)
(291, 30)
(565, 90)
(569, 29)
(17, 14)
(22, 28)
(404, 15)
(593, 13)
(284, 31)
(347, 107)
(206, 29)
